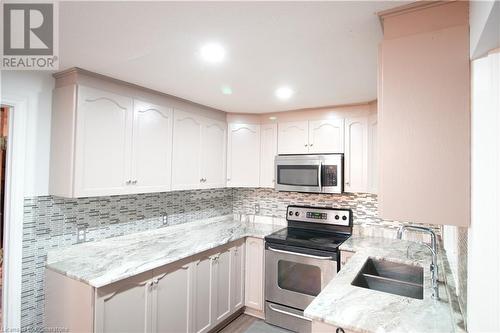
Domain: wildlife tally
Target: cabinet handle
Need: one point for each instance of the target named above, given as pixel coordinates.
(311, 144)
(305, 145)
(128, 182)
(228, 179)
(134, 182)
(348, 184)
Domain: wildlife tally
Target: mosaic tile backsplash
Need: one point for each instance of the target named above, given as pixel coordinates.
(51, 222)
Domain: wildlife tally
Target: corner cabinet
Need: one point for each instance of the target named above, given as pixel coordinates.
(356, 155)
(243, 155)
(194, 294)
(101, 144)
(254, 283)
(199, 150)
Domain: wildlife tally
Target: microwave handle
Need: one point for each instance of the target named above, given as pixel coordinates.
(320, 170)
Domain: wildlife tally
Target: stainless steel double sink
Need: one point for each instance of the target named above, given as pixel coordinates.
(391, 277)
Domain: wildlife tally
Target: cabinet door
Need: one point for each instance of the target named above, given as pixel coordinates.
(326, 136)
(124, 306)
(238, 277)
(202, 300)
(243, 155)
(152, 148)
(254, 274)
(372, 154)
(186, 155)
(293, 137)
(356, 154)
(214, 154)
(103, 143)
(172, 294)
(222, 282)
(268, 151)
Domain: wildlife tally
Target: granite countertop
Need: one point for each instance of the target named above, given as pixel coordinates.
(363, 310)
(103, 262)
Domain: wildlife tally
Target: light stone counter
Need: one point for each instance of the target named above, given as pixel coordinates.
(103, 262)
(362, 310)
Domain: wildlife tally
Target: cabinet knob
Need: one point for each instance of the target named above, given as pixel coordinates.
(311, 144)
(348, 184)
(228, 179)
(305, 145)
(128, 182)
(134, 182)
(339, 330)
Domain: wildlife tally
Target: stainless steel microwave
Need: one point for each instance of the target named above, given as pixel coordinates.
(310, 173)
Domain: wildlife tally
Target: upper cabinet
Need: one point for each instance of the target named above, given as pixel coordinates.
(268, 151)
(356, 155)
(314, 136)
(243, 155)
(199, 149)
(151, 147)
(424, 115)
(326, 136)
(102, 144)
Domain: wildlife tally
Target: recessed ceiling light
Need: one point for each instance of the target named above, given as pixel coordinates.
(226, 90)
(273, 118)
(284, 93)
(213, 53)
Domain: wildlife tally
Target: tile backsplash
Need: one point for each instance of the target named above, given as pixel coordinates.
(51, 222)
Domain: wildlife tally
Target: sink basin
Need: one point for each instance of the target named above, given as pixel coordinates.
(391, 277)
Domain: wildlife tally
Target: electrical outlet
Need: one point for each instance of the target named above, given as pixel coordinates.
(81, 235)
(256, 209)
(164, 218)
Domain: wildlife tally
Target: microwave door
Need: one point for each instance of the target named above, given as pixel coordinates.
(298, 176)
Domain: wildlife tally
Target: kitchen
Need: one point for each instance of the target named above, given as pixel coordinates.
(182, 176)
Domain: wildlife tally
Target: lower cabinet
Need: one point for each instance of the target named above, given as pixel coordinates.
(254, 282)
(192, 295)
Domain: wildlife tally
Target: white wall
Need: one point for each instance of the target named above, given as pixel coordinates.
(36, 87)
(483, 295)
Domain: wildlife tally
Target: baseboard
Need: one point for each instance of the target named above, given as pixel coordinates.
(227, 321)
(255, 313)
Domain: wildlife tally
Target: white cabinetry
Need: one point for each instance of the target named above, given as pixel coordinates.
(221, 270)
(202, 302)
(326, 136)
(199, 152)
(254, 277)
(268, 151)
(356, 154)
(108, 144)
(102, 143)
(314, 136)
(238, 277)
(243, 155)
(124, 306)
(152, 148)
(293, 137)
(372, 154)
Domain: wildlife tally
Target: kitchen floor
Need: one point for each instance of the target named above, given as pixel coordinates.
(248, 324)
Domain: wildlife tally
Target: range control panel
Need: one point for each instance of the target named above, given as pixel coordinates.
(338, 216)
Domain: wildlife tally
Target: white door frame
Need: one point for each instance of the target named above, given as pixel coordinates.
(14, 208)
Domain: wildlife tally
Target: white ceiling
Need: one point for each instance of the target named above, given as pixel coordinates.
(325, 51)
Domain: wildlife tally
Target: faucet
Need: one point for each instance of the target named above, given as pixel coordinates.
(432, 248)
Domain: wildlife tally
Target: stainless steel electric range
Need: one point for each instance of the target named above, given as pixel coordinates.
(300, 261)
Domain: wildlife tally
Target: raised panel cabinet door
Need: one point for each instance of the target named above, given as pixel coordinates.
(186, 153)
(222, 296)
(356, 154)
(372, 154)
(152, 148)
(293, 137)
(243, 156)
(268, 151)
(124, 306)
(326, 136)
(203, 294)
(238, 277)
(254, 273)
(172, 294)
(214, 154)
(103, 143)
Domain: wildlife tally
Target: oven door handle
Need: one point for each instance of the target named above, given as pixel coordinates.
(300, 254)
(287, 313)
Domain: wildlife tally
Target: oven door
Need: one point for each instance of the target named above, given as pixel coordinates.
(298, 173)
(295, 278)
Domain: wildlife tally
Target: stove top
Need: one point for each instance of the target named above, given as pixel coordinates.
(314, 228)
(312, 239)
